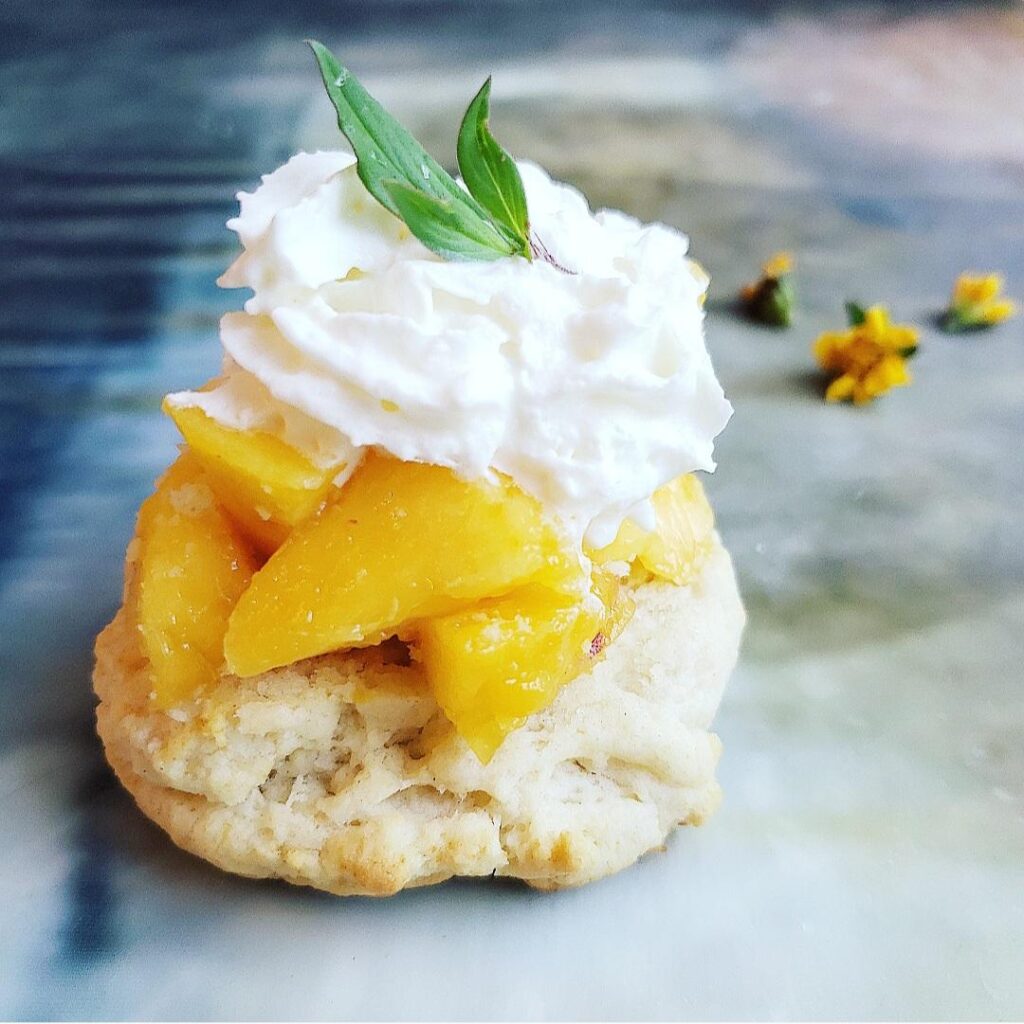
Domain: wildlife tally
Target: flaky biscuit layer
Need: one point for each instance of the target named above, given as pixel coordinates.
(341, 772)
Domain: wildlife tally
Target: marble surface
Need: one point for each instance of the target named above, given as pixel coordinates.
(868, 860)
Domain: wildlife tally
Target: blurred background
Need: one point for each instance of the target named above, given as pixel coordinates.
(869, 858)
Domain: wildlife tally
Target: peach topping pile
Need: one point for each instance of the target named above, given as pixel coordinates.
(250, 558)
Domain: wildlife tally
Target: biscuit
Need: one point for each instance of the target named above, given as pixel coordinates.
(340, 772)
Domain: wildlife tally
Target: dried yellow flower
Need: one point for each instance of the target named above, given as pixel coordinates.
(977, 302)
(867, 359)
(770, 300)
(778, 264)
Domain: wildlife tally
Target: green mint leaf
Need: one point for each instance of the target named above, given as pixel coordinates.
(387, 153)
(855, 313)
(441, 227)
(489, 172)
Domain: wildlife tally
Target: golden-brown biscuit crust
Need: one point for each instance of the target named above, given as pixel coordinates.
(340, 772)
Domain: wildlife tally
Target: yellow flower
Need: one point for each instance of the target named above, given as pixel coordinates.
(977, 302)
(869, 358)
(778, 264)
(770, 299)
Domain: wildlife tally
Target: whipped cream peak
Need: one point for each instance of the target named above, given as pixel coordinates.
(590, 388)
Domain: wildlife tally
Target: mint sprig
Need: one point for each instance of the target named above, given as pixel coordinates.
(489, 172)
(444, 227)
(487, 222)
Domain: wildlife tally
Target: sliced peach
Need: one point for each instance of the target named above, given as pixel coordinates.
(675, 550)
(193, 566)
(401, 541)
(493, 665)
(619, 607)
(267, 486)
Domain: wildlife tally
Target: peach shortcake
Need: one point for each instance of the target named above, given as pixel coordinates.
(432, 588)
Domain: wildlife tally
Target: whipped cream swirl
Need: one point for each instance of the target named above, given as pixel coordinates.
(590, 388)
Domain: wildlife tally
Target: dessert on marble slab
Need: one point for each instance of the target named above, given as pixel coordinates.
(432, 588)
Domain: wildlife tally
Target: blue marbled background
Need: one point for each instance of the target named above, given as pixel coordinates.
(869, 858)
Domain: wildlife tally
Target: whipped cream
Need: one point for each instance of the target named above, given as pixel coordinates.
(590, 388)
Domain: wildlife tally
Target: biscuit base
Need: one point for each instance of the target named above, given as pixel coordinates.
(340, 772)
